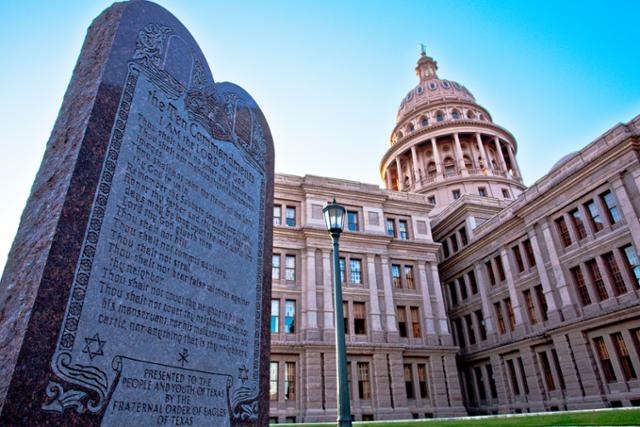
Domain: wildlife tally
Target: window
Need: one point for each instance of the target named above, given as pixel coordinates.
(415, 322)
(492, 277)
(523, 375)
(513, 377)
(345, 314)
(289, 317)
(492, 381)
(408, 382)
(510, 314)
(472, 282)
(596, 279)
(395, 276)
(454, 293)
(355, 265)
(528, 250)
(578, 223)
(439, 116)
(425, 121)
(482, 191)
(633, 265)
(463, 236)
(349, 378)
(623, 356)
(290, 381)
(518, 257)
(456, 194)
(455, 115)
(578, 279)
(459, 333)
(481, 326)
(501, 325)
(556, 364)
(542, 302)
(531, 308)
(359, 318)
(290, 216)
(432, 200)
(546, 368)
(273, 381)
(605, 361)
(364, 388)
(445, 248)
(290, 267)
(454, 243)
(563, 231)
(614, 272)
(391, 227)
(470, 332)
(505, 194)
(342, 269)
(612, 209)
(500, 268)
(480, 381)
(422, 380)
(402, 227)
(275, 267)
(352, 220)
(402, 321)
(594, 215)
(408, 276)
(463, 288)
(275, 316)
(277, 214)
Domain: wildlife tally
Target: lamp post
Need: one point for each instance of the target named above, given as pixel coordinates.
(334, 219)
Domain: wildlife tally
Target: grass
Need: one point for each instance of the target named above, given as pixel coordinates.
(606, 417)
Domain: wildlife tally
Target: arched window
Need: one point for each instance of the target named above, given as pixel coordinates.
(470, 115)
(449, 166)
(431, 169)
(439, 116)
(425, 121)
(467, 162)
(400, 135)
(455, 115)
(410, 128)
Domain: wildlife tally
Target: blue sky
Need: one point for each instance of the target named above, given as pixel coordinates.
(330, 75)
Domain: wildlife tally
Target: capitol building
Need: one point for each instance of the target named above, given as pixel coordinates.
(465, 291)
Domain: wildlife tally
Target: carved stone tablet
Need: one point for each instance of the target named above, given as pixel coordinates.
(136, 288)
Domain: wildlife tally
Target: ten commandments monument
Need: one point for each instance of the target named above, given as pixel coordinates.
(136, 287)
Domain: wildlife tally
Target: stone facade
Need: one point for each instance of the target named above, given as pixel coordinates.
(465, 291)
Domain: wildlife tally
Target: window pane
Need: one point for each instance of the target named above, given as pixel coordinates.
(290, 381)
(402, 226)
(291, 216)
(408, 275)
(356, 271)
(342, 269)
(395, 276)
(391, 228)
(289, 317)
(275, 316)
(352, 220)
(632, 262)
(277, 214)
(290, 267)
(275, 267)
(594, 214)
(359, 318)
(364, 388)
(273, 381)
(610, 203)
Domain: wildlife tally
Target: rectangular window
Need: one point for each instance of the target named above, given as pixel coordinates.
(482, 191)
(528, 250)
(355, 266)
(492, 381)
(523, 375)
(480, 382)
(349, 378)
(445, 248)
(563, 231)
(546, 369)
(345, 314)
(432, 200)
(364, 388)
(605, 361)
(408, 382)
(422, 380)
(578, 223)
(518, 257)
(531, 308)
(404, 230)
(633, 265)
(343, 267)
(275, 316)
(289, 317)
(402, 321)
(542, 302)
(457, 326)
(505, 193)
(454, 243)
(463, 236)
(454, 293)
(594, 215)
(578, 280)
(501, 325)
(472, 282)
(492, 277)
(556, 364)
(395, 276)
(415, 322)
(273, 381)
(480, 320)
(290, 381)
(500, 268)
(514, 379)
(359, 318)
(275, 267)
(291, 216)
(470, 331)
(352, 220)
(408, 276)
(277, 214)
(614, 273)
(290, 267)
(623, 356)
(596, 279)
(612, 209)
(463, 287)
(456, 194)
(510, 314)
(391, 227)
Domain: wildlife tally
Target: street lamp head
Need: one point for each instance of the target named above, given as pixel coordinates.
(334, 217)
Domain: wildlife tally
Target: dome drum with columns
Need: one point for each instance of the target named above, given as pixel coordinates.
(445, 144)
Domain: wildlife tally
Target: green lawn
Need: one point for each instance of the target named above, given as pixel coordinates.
(613, 417)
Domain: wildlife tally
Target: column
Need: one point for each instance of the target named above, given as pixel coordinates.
(436, 156)
(376, 325)
(503, 164)
(569, 222)
(513, 293)
(414, 161)
(400, 177)
(387, 174)
(568, 309)
(441, 315)
(428, 308)
(630, 217)
(486, 304)
(459, 157)
(309, 289)
(389, 307)
(327, 295)
(553, 314)
(483, 154)
(514, 163)
(409, 173)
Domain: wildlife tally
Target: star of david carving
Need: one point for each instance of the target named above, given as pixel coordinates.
(94, 346)
(243, 374)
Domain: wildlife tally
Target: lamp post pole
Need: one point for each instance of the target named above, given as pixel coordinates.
(344, 406)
